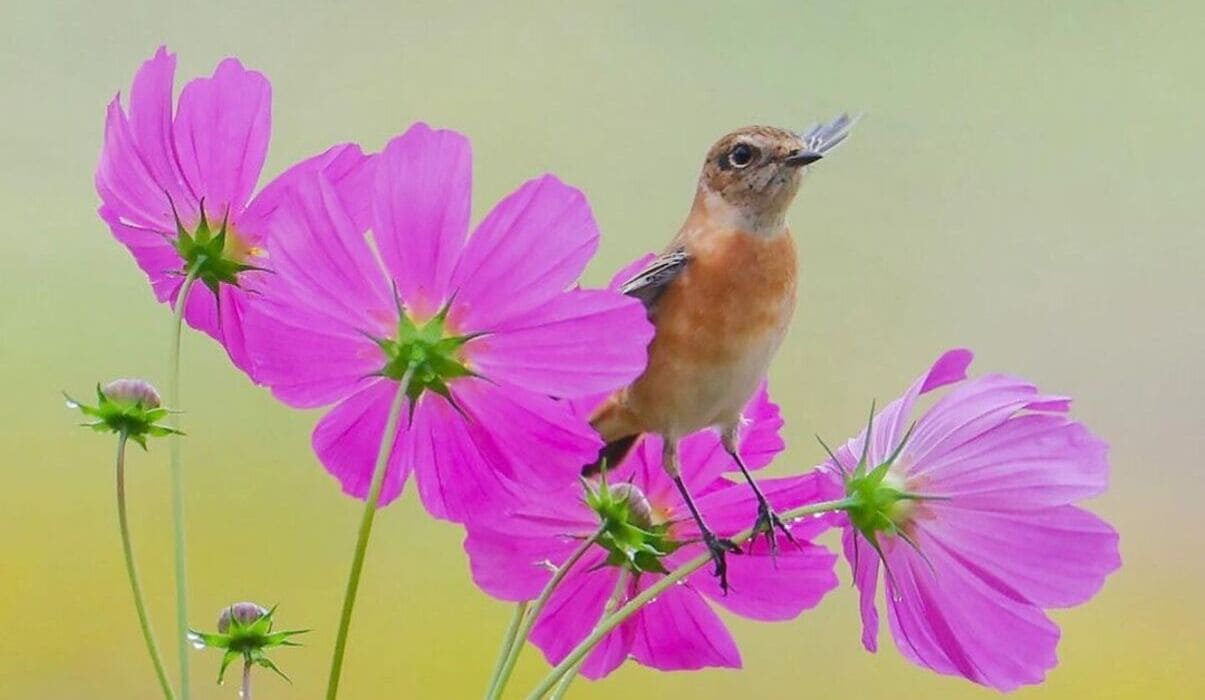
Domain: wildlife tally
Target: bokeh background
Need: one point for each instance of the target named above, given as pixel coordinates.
(1028, 182)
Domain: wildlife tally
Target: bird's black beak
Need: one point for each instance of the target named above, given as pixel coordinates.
(801, 158)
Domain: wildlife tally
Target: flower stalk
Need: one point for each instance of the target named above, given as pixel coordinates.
(370, 511)
(503, 677)
(508, 643)
(132, 571)
(621, 585)
(632, 606)
(177, 478)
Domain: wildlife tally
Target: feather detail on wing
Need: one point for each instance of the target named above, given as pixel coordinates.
(648, 284)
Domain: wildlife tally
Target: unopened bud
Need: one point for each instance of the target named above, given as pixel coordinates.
(245, 613)
(640, 512)
(133, 392)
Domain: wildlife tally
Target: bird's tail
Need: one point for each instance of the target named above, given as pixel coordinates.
(614, 423)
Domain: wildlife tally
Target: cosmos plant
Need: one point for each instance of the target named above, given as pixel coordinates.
(466, 359)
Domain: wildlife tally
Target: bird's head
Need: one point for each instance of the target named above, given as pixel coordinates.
(753, 173)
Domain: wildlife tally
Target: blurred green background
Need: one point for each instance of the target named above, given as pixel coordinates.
(1027, 182)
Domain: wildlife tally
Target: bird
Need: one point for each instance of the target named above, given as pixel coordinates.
(720, 297)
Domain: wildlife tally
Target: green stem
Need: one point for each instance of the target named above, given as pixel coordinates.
(534, 614)
(633, 605)
(370, 511)
(245, 691)
(177, 478)
(508, 643)
(132, 571)
(621, 585)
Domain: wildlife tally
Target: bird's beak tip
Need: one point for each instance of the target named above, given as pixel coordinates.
(802, 158)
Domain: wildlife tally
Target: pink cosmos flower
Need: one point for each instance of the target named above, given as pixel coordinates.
(974, 519)
(491, 323)
(510, 556)
(161, 172)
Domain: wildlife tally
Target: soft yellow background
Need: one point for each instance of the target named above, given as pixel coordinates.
(1028, 182)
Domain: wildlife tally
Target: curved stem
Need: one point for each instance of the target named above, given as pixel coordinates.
(245, 691)
(132, 571)
(654, 590)
(621, 585)
(177, 478)
(534, 614)
(370, 511)
(508, 643)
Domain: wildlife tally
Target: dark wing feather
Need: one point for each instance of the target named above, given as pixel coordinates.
(648, 284)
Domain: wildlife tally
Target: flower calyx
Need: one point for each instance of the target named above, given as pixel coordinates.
(627, 529)
(126, 406)
(245, 631)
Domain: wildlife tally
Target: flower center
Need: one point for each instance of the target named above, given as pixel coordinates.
(214, 258)
(429, 353)
(630, 534)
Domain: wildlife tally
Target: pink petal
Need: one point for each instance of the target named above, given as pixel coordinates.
(455, 480)
(612, 651)
(968, 411)
(126, 184)
(678, 631)
(952, 621)
(578, 343)
(530, 247)
(422, 196)
(1031, 461)
(347, 170)
(221, 135)
(509, 561)
(574, 608)
(864, 566)
(1055, 557)
(151, 124)
(532, 439)
(348, 438)
(151, 250)
(772, 589)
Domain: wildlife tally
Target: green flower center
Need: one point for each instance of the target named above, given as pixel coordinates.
(630, 535)
(214, 258)
(431, 354)
(881, 502)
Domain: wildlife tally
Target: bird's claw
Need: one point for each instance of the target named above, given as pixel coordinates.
(719, 548)
(767, 522)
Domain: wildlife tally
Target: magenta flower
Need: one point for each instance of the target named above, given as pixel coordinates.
(972, 512)
(510, 556)
(172, 183)
(490, 323)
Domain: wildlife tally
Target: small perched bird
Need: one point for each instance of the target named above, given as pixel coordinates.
(721, 297)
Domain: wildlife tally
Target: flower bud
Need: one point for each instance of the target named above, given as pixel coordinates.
(245, 613)
(640, 512)
(133, 392)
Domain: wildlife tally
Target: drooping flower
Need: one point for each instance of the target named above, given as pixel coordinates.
(971, 512)
(489, 328)
(176, 187)
(650, 531)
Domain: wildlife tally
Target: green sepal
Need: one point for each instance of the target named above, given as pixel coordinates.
(120, 416)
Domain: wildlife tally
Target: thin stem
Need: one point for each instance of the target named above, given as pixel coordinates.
(621, 585)
(508, 643)
(245, 691)
(633, 605)
(177, 479)
(132, 571)
(370, 511)
(534, 613)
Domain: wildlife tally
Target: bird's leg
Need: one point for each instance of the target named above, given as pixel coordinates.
(767, 520)
(718, 547)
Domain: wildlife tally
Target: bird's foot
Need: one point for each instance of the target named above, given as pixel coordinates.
(767, 522)
(719, 548)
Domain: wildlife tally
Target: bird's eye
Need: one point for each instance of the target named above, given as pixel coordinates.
(741, 155)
